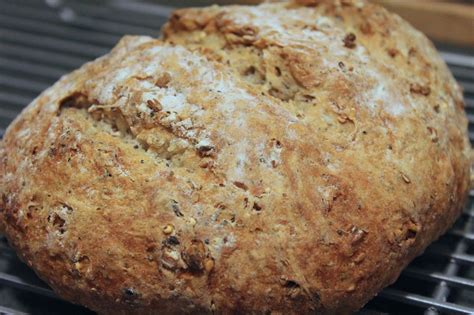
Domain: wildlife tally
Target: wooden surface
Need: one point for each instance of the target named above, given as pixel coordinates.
(445, 21)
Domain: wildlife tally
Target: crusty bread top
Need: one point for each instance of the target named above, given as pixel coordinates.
(286, 157)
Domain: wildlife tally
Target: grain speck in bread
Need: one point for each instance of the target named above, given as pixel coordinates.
(291, 157)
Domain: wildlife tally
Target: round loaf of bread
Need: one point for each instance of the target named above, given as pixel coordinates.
(286, 158)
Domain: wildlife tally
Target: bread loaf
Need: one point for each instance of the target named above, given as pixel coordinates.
(286, 158)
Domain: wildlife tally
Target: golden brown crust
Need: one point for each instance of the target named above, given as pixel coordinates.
(275, 158)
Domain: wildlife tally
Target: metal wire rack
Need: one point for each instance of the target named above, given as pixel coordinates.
(40, 40)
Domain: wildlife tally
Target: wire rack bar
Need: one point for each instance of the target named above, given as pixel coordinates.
(19, 283)
(423, 301)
